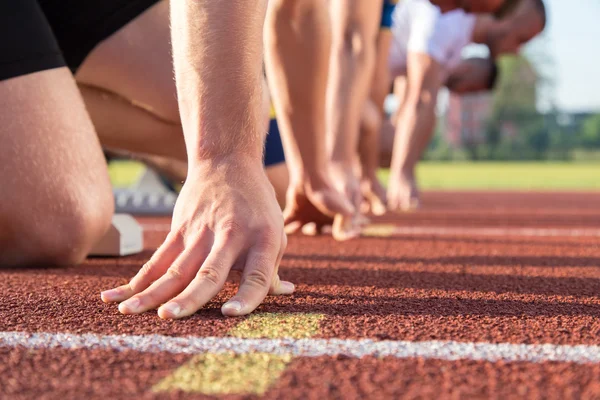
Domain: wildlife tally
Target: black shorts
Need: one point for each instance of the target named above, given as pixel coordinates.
(37, 35)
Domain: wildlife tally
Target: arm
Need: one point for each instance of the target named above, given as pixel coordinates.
(217, 55)
(297, 31)
(415, 124)
(226, 214)
(372, 119)
(355, 25)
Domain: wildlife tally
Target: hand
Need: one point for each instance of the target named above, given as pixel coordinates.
(225, 218)
(316, 203)
(374, 197)
(345, 180)
(403, 194)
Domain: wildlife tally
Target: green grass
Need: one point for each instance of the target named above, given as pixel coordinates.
(507, 175)
(460, 175)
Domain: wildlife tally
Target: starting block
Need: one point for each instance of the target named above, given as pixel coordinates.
(124, 237)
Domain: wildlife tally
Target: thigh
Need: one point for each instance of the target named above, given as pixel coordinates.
(52, 170)
(135, 63)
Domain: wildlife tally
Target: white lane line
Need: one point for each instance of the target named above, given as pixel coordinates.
(443, 350)
(442, 231)
(453, 231)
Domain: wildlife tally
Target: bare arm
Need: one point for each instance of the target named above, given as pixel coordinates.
(372, 119)
(227, 215)
(416, 121)
(217, 54)
(297, 31)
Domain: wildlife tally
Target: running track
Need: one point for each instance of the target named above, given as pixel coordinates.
(479, 295)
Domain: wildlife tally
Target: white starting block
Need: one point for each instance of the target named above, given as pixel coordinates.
(149, 196)
(124, 237)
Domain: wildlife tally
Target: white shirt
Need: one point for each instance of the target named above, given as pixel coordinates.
(420, 27)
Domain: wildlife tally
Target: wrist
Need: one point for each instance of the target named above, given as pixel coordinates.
(223, 161)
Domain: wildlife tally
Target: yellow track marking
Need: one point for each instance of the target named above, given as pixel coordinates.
(250, 373)
(379, 230)
(218, 374)
(273, 326)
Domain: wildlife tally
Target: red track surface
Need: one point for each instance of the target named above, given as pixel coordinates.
(467, 288)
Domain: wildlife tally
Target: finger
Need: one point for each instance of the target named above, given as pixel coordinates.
(150, 271)
(175, 279)
(376, 202)
(378, 207)
(344, 228)
(279, 287)
(310, 229)
(292, 227)
(209, 280)
(332, 203)
(256, 279)
(393, 202)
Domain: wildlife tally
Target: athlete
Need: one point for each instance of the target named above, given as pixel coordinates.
(226, 216)
(425, 48)
(470, 6)
(353, 47)
(472, 75)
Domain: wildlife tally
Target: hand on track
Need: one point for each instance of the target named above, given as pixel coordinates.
(225, 218)
(312, 206)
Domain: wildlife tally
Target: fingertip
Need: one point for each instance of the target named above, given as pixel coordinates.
(287, 287)
(234, 308)
(292, 227)
(170, 310)
(310, 229)
(114, 295)
(105, 297)
(378, 209)
(131, 306)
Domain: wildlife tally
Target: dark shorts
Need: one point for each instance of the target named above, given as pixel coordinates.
(37, 35)
(387, 12)
(273, 146)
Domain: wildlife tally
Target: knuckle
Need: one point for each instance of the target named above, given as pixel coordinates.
(142, 276)
(211, 274)
(268, 237)
(258, 277)
(146, 269)
(231, 230)
(175, 273)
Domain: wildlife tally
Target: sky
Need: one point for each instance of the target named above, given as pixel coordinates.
(573, 42)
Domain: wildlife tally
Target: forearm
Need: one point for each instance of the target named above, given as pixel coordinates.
(354, 31)
(415, 126)
(350, 75)
(380, 87)
(297, 31)
(368, 148)
(217, 55)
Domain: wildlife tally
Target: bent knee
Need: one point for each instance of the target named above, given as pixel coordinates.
(56, 238)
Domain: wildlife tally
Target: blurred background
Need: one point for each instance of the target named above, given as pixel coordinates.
(540, 128)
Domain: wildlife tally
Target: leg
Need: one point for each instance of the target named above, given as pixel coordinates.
(59, 202)
(128, 87)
